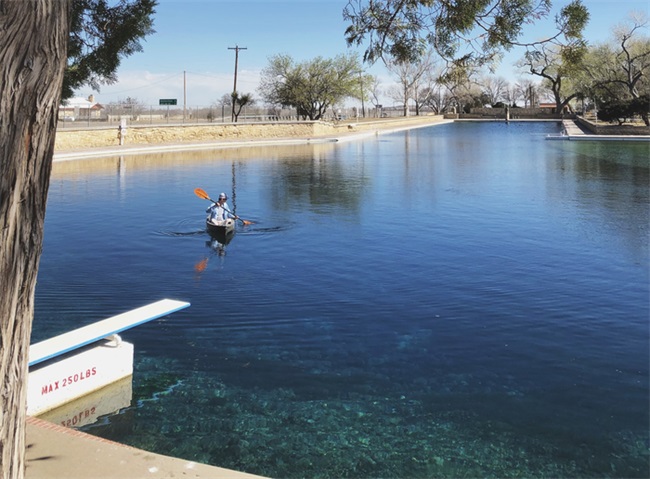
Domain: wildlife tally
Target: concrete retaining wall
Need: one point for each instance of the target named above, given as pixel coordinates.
(608, 129)
(541, 113)
(68, 139)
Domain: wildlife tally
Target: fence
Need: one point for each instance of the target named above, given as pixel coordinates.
(108, 115)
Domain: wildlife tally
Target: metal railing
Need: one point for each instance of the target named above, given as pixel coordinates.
(111, 115)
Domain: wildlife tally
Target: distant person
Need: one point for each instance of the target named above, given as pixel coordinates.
(219, 211)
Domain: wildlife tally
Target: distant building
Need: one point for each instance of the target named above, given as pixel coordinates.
(76, 109)
(551, 107)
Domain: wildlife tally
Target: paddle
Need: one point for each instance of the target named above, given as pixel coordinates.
(204, 195)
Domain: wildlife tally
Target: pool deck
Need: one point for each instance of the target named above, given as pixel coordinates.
(573, 132)
(54, 452)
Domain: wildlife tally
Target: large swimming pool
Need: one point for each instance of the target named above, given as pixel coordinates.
(464, 300)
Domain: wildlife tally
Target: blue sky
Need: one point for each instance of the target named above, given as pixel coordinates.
(190, 53)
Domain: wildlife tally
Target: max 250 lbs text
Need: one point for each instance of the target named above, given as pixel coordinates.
(68, 381)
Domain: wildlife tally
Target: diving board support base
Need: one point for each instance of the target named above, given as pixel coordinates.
(67, 367)
(70, 377)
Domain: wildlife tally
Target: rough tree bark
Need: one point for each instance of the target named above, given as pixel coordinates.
(33, 43)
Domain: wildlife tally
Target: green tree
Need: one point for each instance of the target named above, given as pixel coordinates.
(311, 86)
(102, 34)
(641, 106)
(465, 32)
(624, 110)
(560, 68)
(559, 61)
(240, 101)
(40, 44)
(616, 110)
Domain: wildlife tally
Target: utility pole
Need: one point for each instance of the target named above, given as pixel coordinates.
(234, 88)
(184, 95)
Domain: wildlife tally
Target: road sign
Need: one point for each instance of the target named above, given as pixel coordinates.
(167, 101)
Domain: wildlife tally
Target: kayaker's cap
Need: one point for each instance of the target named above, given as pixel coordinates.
(222, 196)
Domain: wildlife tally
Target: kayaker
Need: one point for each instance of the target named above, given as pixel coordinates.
(219, 211)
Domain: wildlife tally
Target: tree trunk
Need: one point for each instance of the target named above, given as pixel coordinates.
(33, 43)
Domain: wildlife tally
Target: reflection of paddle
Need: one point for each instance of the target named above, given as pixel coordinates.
(202, 194)
(201, 265)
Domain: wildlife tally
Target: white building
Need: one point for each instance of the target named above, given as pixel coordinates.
(75, 109)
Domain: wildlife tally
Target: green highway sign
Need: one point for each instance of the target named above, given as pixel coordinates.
(167, 101)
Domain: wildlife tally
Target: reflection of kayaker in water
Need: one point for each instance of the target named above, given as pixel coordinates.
(217, 246)
(219, 211)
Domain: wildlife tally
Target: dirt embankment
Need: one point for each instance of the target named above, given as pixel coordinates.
(83, 139)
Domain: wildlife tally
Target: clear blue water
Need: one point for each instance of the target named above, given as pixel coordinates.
(465, 300)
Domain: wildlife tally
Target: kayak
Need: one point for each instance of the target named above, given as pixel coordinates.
(222, 229)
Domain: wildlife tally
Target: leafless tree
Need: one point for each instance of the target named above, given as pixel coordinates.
(494, 88)
(130, 106)
(634, 51)
(619, 68)
(409, 74)
(374, 88)
(436, 97)
(462, 88)
(528, 91)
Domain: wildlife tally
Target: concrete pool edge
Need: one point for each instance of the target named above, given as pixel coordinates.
(351, 135)
(54, 451)
(355, 132)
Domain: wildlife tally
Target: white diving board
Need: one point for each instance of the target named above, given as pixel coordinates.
(78, 338)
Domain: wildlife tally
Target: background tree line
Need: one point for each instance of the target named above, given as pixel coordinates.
(610, 78)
